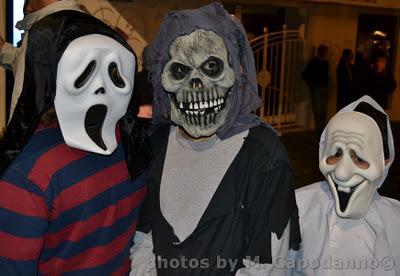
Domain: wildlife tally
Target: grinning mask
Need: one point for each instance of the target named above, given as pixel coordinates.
(198, 79)
(353, 162)
(94, 86)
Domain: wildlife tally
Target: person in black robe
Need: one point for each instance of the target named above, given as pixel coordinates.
(380, 82)
(316, 75)
(205, 97)
(346, 92)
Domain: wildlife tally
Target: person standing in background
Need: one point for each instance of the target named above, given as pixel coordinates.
(12, 58)
(361, 70)
(316, 75)
(380, 82)
(346, 92)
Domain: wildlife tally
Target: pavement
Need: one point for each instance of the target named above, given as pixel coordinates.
(302, 148)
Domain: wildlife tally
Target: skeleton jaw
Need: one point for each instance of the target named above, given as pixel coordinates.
(200, 113)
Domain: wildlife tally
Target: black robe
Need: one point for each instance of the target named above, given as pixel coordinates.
(254, 199)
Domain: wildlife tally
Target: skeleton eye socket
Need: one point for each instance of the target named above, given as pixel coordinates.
(115, 76)
(179, 71)
(213, 67)
(85, 76)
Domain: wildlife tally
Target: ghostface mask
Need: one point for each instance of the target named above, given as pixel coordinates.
(353, 162)
(95, 80)
(198, 79)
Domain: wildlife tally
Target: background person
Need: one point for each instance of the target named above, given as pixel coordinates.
(345, 80)
(13, 58)
(380, 81)
(316, 76)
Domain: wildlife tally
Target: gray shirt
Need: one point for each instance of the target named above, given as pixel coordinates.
(191, 175)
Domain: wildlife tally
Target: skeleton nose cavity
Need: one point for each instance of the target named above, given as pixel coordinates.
(101, 90)
(196, 84)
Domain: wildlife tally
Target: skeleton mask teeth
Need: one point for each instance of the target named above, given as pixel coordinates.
(203, 110)
(201, 107)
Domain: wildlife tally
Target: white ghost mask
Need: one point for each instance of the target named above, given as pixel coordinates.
(352, 161)
(95, 80)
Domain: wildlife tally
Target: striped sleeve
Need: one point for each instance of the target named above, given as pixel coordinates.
(23, 220)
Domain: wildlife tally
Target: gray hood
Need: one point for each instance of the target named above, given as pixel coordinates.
(213, 17)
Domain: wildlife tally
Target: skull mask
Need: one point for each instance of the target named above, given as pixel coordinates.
(94, 86)
(353, 162)
(198, 78)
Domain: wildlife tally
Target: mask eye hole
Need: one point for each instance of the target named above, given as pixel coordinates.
(179, 71)
(115, 75)
(85, 76)
(361, 163)
(213, 67)
(333, 159)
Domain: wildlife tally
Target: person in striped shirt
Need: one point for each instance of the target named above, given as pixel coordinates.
(73, 158)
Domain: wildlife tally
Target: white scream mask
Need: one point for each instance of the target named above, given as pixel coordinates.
(95, 80)
(353, 162)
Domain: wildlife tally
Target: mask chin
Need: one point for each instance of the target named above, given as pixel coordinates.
(351, 202)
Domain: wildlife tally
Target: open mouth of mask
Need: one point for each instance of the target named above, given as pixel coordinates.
(201, 108)
(344, 193)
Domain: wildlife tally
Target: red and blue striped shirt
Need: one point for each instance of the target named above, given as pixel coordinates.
(67, 211)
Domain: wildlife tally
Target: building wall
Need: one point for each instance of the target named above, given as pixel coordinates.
(336, 26)
(332, 24)
(2, 71)
(146, 15)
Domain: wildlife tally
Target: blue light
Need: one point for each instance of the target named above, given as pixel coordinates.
(17, 16)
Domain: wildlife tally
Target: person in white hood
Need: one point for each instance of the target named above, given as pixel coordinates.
(347, 228)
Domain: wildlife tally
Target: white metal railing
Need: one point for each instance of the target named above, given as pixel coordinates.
(278, 57)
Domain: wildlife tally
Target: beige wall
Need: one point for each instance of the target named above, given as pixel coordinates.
(2, 72)
(146, 15)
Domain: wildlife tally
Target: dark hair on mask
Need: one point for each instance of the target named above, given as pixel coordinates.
(381, 120)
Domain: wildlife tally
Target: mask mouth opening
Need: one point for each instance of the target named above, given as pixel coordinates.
(344, 197)
(344, 193)
(203, 111)
(208, 106)
(94, 121)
